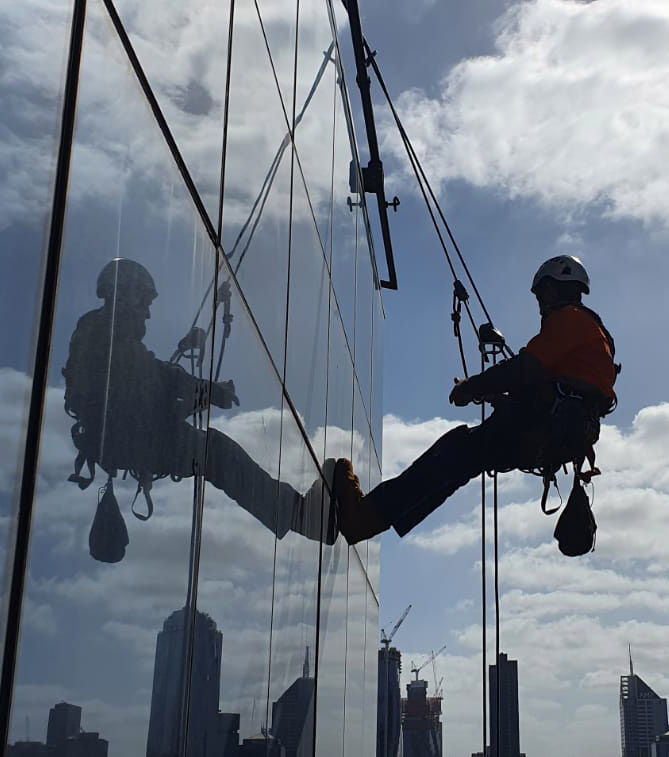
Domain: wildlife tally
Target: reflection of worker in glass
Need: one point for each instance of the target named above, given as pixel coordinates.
(132, 409)
(548, 400)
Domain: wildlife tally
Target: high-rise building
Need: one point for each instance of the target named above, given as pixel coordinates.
(509, 728)
(64, 723)
(29, 749)
(421, 722)
(167, 698)
(388, 712)
(227, 734)
(262, 745)
(293, 715)
(643, 715)
(65, 737)
(85, 744)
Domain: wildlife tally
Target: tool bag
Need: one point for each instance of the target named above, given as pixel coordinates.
(576, 527)
(108, 537)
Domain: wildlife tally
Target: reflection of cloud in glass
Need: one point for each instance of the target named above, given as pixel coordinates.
(124, 606)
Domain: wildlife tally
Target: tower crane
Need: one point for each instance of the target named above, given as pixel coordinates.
(437, 683)
(416, 670)
(385, 640)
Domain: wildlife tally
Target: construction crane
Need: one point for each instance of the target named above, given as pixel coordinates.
(416, 670)
(437, 683)
(385, 640)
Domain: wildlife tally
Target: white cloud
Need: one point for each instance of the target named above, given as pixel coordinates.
(567, 621)
(569, 110)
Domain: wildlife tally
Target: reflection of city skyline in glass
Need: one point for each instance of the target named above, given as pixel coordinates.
(64, 737)
(210, 732)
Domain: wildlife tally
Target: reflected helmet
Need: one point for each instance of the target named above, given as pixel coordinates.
(562, 268)
(125, 278)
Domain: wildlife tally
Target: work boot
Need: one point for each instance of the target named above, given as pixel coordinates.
(358, 517)
(313, 516)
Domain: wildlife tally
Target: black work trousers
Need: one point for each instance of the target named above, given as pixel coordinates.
(517, 434)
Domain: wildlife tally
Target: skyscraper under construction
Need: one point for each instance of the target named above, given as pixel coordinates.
(421, 722)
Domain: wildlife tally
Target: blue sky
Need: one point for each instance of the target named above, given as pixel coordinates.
(540, 123)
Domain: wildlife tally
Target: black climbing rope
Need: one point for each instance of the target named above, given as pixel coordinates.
(491, 345)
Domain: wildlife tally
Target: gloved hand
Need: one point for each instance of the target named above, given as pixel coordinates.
(223, 394)
(462, 393)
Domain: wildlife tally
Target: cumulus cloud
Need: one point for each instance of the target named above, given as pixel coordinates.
(567, 621)
(569, 109)
(183, 50)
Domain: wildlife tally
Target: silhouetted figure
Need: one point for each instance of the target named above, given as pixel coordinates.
(132, 414)
(547, 403)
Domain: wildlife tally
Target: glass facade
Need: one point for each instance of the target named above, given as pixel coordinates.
(214, 346)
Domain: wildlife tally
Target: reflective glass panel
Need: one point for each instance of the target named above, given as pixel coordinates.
(332, 650)
(242, 513)
(360, 455)
(278, 19)
(374, 545)
(183, 49)
(355, 657)
(344, 213)
(103, 628)
(306, 365)
(314, 110)
(32, 65)
(371, 672)
(295, 609)
(378, 319)
(256, 203)
(340, 391)
(364, 293)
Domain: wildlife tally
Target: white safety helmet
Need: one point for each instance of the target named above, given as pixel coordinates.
(562, 268)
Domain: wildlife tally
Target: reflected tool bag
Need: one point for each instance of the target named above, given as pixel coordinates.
(109, 536)
(576, 526)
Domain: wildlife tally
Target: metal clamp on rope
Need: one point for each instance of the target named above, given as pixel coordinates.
(491, 341)
(460, 295)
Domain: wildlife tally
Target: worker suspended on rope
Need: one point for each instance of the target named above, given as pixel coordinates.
(548, 401)
(132, 413)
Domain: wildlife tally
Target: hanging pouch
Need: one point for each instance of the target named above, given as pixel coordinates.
(576, 527)
(109, 536)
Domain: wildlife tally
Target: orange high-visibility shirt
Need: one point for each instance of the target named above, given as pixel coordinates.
(572, 345)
